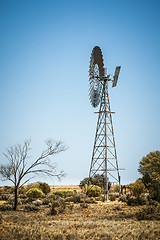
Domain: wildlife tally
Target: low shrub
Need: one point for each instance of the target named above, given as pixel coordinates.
(70, 206)
(8, 189)
(93, 191)
(112, 197)
(52, 196)
(34, 193)
(84, 205)
(100, 198)
(123, 198)
(32, 185)
(30, 207)
(25, 200)
(58, 206)
(149, 212)
(6, 207)
(76, 198)
(116, 188)
(153, 202)
(22, 195)
(89, 200)
(118, 207)
(22, 190)
(1, 217)
(46, 201)
(5, 197)
(63, 193)
(133, 201)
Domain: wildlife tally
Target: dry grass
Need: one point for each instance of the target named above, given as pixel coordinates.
(111, 220)
(65, 187)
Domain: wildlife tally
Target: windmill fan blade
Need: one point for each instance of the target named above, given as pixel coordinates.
(96, 70)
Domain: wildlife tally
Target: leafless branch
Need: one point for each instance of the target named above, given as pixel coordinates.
(17, 168)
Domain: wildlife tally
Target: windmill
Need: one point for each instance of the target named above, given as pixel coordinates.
(104, 157)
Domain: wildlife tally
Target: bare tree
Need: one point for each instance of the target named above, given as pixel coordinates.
(19, 171)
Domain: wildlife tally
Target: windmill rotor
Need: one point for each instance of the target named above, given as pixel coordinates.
(96, 71)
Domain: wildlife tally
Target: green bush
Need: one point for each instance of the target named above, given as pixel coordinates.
(63, 193)
(34, 193)
(32, 185)
(149, 168)
(138, 188)
(52, 195)
(98, 180)
(44, 187)
(93, 191)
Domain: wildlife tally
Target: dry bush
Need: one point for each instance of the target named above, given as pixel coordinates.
(70, 206)
(84, 205)
(89, 200)
(116, 188)
(58, 206)
(112, 197)
(30, 207)
(123, 198)
(136, 201)
(6, 207)
(46, 201)
(1, 217)
(150, 212)
(99, 222)
(22, 195)
(76, 198)
(8, 189)
(5, 196)
(118, 207)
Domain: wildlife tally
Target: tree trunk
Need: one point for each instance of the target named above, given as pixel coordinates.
(15, 197)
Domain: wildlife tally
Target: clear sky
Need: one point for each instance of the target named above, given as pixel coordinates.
(45, 47)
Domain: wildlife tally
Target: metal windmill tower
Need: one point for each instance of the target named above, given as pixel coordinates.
(104, 156)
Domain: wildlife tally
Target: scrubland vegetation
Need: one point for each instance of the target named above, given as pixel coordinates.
(42, 213)
(73, 215)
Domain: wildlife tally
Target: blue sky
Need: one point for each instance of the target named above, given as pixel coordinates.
(45, 48)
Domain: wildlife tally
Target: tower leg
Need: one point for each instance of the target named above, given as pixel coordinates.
(104, 157)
